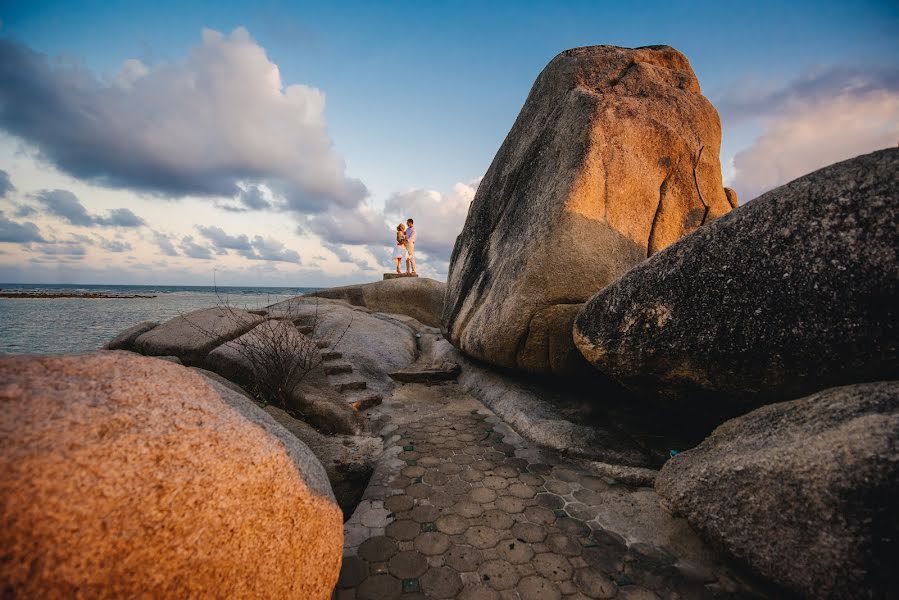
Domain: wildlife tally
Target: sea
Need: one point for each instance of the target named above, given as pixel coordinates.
(63, 325)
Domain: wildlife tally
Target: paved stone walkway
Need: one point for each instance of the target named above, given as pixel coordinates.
(460, 506)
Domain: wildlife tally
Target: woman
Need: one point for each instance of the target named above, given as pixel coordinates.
(400, 248)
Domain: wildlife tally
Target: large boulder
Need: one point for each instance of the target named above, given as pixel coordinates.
(804, 491)
(375, 344)
(789, 294)
(125, 340)
(192, 336)
(124, 476)
(417, 297)
(613, 157)
(272, 347)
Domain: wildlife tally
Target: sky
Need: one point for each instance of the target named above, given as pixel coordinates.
(279, 143)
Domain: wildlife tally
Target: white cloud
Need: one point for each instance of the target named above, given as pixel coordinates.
(438, 218)
(213, 124)
(813, 122)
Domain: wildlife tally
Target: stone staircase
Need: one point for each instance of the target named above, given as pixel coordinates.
(340, 374)
(342, 378)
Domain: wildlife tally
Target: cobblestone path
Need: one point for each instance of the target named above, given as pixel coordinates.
(462, 507)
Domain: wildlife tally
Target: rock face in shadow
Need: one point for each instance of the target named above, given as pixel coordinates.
(418, 297)
(192, 336)
(803, 491)
(613, 157)
(125, 476)
(793, 292)
(348, 460)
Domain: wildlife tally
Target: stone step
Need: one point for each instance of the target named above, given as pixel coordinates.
(364, 400)
(399, 275)
(322, 343)
(432, 374)
(331, 355)
(349, 384)
(337, 368)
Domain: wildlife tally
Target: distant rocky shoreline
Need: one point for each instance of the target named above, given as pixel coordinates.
(50, 295)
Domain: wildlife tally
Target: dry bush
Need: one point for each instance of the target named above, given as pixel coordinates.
(279, 355)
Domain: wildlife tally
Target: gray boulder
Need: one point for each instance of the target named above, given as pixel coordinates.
(192, 336)
(418, 297)
(125, 340)
(375, 344)
(613, 157)
(794, 292)
(805, 492)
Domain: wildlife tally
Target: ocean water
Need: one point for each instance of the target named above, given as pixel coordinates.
(57, 325)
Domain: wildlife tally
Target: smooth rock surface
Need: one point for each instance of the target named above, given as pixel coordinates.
(192, 336)
(530, 409)
(124, 476)
(793, 292)
(613, 157)
(125, 340)
(803, 491)
(375, 344)
(418, 297)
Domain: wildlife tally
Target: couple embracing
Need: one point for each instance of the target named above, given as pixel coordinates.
(405, 246)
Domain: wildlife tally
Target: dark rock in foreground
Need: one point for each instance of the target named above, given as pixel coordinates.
(613, 157)
(794, 292)
(804, 491)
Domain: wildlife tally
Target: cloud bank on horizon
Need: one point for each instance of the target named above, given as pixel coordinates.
(221, 129)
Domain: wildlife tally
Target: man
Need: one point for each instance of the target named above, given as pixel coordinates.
(410, 247)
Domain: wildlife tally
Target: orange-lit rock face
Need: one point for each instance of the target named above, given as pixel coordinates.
(613, 157)
(124, 476)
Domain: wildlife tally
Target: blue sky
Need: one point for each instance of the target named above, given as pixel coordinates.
(417, 98)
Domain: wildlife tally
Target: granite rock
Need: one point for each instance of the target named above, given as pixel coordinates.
(791, 293)
(613, 157)
(124, 476)
(803, 491)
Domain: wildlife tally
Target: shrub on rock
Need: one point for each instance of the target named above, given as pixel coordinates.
(793, 292)
(124, 476)
(805, 491)
(613, 157)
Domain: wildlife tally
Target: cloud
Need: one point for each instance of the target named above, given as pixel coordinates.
(6, 186)
(193, 249)
(259, 248)
(360, 226)
(114, 245)
(223, 241)
(438, 218)
(120, 217)
(752, 99)
(65, 205)
(18, 233)
(272, 250)
(206, 125)
(813, 122)
(164, 242)
(24, 210)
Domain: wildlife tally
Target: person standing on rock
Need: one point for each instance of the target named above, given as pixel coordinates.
(400, 245)
(410, 247)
